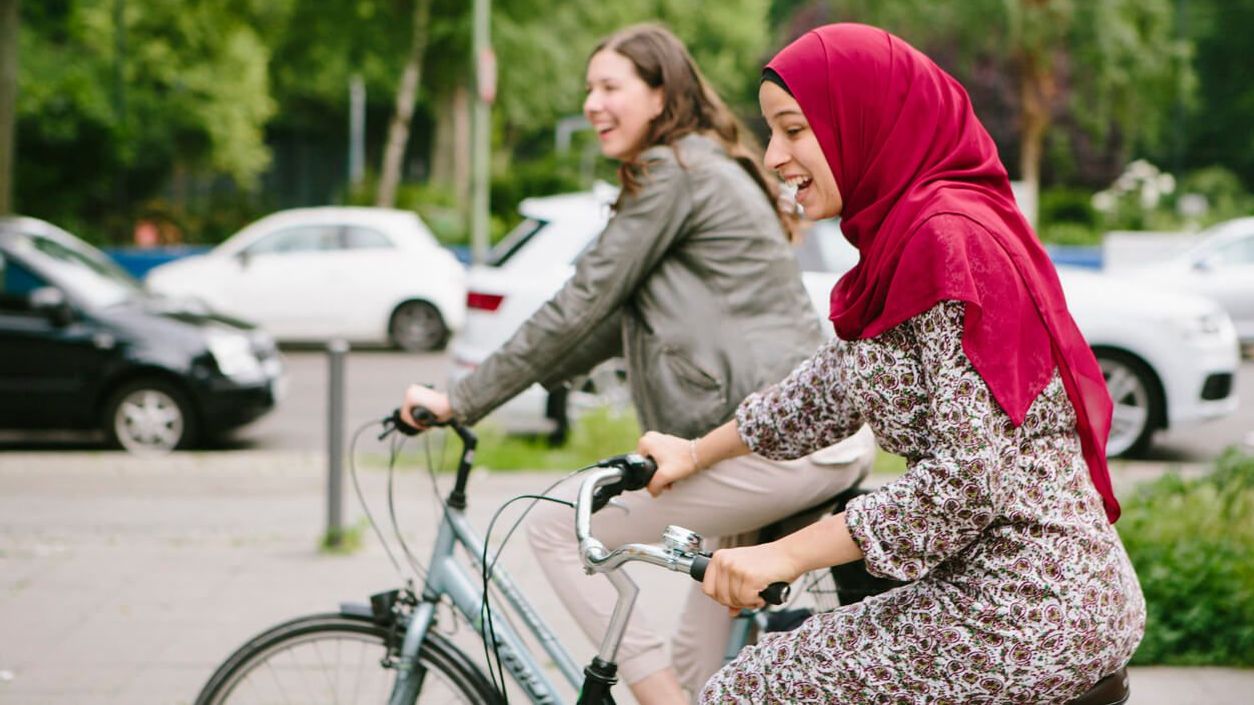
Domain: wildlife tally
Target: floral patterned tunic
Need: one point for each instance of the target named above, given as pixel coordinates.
(1023, 591)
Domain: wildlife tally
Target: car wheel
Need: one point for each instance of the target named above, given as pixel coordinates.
(149, 416)
(1138, 402)
(417, 326)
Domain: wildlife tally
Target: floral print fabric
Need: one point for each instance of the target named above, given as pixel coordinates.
(1023, 592)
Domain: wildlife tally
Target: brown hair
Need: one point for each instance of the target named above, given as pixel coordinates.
(689, 105)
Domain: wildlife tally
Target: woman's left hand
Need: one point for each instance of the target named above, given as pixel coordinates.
(735, 576)
(672, 455)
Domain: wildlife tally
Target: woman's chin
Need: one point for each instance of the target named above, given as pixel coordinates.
(816, 209)
(612, 150)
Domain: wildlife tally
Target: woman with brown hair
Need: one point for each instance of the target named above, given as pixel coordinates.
(693, 282)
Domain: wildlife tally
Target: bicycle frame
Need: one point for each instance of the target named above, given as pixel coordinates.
(448, 577)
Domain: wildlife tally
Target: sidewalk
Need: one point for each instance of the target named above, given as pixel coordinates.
(124, 581)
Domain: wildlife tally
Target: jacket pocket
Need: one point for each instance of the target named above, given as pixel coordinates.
(688, 371)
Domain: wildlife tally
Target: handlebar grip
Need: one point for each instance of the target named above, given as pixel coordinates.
(700, 562)
(421, 414)
(637, 472)
(774, 594)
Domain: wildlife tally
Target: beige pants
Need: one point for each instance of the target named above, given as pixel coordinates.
(733, 497)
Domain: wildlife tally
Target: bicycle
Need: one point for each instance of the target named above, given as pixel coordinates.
(397, 655)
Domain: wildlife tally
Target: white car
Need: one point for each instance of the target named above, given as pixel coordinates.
(1169, 359)
(524, 270)
(367, 275)
(1219, 265)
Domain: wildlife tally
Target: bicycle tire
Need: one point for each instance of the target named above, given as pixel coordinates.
(292, 662)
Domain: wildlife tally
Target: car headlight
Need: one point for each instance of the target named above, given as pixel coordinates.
(235, 357)
(1210, 325)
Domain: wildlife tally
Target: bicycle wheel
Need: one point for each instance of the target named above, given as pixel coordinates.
(328, 659)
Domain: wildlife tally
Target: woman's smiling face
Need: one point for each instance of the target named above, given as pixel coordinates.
(795, 155)
(620, 105)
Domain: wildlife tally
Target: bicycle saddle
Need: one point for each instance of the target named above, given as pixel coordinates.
(1111, 690)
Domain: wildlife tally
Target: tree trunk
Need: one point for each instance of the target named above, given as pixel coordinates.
(450, 146)
(9, 19)
(1036, 94)
(406, 95)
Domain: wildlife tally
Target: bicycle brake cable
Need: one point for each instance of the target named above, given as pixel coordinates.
(397, 445)
(361, 498)
(487, 630)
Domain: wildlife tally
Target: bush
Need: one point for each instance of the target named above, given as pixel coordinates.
(1192, 542)
(1070, 234)
(1225, 197)
(437, 207)
(1067, 205)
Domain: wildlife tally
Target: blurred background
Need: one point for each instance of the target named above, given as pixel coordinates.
(195, 117)
(187, 184)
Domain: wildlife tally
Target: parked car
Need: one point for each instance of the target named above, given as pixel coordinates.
(369, 275)
(1219, 265)
(1169, 359)
(523, 271)
(83, 346)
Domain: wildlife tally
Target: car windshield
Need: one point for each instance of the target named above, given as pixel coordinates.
(86, 274)
(515, 240)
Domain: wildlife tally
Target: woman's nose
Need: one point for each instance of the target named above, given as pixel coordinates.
(591, 104)
(776, 156)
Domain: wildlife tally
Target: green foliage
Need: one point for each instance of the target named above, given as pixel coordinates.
(1217, 130)
(174, 85)
(1192, 542)
(1144, 198)
(544, 176)
(319, 45)
(1118, 66)
(597, 434)
(1067, 205)
(1066, 233)
(437, 206)
(1225, 196)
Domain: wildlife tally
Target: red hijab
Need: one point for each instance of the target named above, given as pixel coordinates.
(905, 146)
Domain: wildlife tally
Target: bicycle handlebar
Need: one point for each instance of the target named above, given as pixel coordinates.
(422, 415)
(628, 472)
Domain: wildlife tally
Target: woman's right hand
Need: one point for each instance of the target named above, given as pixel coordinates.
(435, 402)
(673, 457)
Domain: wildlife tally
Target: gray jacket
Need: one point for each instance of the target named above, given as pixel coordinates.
(692, 281)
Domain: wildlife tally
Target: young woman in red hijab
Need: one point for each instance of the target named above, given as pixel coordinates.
(957, 349)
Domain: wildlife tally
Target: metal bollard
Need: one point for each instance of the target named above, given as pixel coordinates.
(336, 351)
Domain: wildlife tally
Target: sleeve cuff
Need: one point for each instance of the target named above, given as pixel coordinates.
(861, 516)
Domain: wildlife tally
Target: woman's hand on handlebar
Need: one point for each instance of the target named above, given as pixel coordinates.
(735, 576)
(673, 458)
(435, 402)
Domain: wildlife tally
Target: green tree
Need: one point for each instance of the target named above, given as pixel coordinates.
(1114, 66)
(8, 97)
(1217, 130)
(155, 88)
(406, 94)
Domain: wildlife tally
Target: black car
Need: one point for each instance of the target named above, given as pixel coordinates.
(83, 346)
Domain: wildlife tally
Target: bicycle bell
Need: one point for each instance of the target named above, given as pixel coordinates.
(681, 540)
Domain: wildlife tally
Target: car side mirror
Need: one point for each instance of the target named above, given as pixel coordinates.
(244, 258)
(51, 302)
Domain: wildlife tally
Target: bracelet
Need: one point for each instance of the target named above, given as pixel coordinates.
(692, 453)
